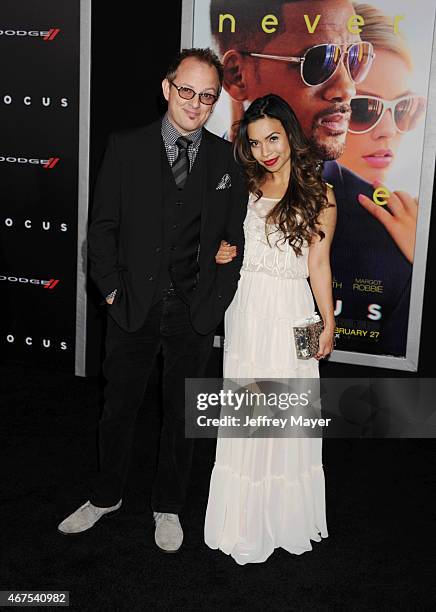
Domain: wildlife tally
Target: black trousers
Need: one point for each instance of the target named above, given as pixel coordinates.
(127, 366)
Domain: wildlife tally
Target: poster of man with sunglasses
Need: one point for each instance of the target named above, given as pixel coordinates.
(357, 76)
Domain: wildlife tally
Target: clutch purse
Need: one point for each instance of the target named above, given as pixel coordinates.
(306, 336)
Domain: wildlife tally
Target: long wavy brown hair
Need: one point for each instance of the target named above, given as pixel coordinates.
(296, 214)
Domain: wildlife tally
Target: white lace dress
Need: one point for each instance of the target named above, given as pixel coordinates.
(266, 493)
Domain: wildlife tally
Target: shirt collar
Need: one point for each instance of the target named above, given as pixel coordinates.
(170, 134)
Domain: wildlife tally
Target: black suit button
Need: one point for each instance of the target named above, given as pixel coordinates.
(175, 226)
(158, 249)
(151, 278)
(219, 295)
(173, 247)
(179, 203)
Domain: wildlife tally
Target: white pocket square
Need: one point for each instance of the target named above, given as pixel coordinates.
(225, 182)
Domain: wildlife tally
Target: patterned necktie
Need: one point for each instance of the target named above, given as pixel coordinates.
(180, 167)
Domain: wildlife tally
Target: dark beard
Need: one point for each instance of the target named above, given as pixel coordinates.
(332, 149)
(324, 151)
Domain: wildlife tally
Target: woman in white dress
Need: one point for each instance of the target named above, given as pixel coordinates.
(269, 492)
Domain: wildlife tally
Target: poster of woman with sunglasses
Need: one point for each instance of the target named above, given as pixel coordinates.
(375, 136)
(357, 77)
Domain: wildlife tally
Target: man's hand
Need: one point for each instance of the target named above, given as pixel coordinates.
(401, 224)
(226, 253)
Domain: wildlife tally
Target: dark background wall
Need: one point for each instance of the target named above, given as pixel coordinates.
(127, 70)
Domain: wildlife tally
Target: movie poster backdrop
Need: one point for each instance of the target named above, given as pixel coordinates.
(44, 178)
(380, 246)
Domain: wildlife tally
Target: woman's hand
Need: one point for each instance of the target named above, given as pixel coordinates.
(326, 343)
(400, 222)
(226, 253)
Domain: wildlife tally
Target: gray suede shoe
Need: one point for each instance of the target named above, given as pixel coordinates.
(169, 533)
(84, 518)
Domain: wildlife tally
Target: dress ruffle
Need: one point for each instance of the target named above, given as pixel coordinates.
(250, 518)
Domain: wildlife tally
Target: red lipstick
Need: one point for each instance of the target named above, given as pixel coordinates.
(271, 162)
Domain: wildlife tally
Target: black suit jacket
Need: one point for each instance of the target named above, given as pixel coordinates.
(125, 236)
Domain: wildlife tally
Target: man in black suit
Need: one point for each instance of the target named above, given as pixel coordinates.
(165, 196)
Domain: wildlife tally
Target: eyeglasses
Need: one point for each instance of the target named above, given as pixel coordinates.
(367, 112)
(320, 62)
(187, 94)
